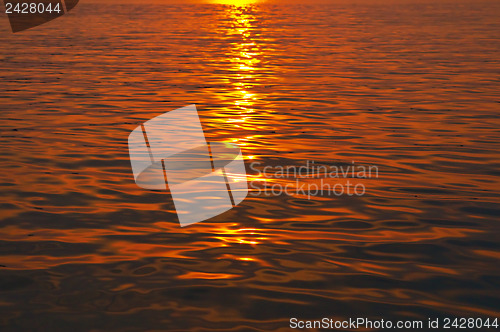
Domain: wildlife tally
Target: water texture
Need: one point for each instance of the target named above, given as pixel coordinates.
(412, 89)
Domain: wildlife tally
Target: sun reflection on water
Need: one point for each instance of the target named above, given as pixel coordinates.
(288, 84)
(238, 3)
(244, 59)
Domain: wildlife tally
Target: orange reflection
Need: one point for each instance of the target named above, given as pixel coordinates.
(68, 196)
(234, 2)
(203, 275)
(245, 60)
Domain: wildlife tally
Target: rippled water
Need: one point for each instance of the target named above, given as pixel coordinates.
(412, 89)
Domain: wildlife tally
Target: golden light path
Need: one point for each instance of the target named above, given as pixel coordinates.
(234, 2)
(244, 57)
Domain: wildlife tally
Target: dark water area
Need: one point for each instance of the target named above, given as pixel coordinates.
(412, 89)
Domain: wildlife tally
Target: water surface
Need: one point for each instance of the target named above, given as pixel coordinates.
(410, 88)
